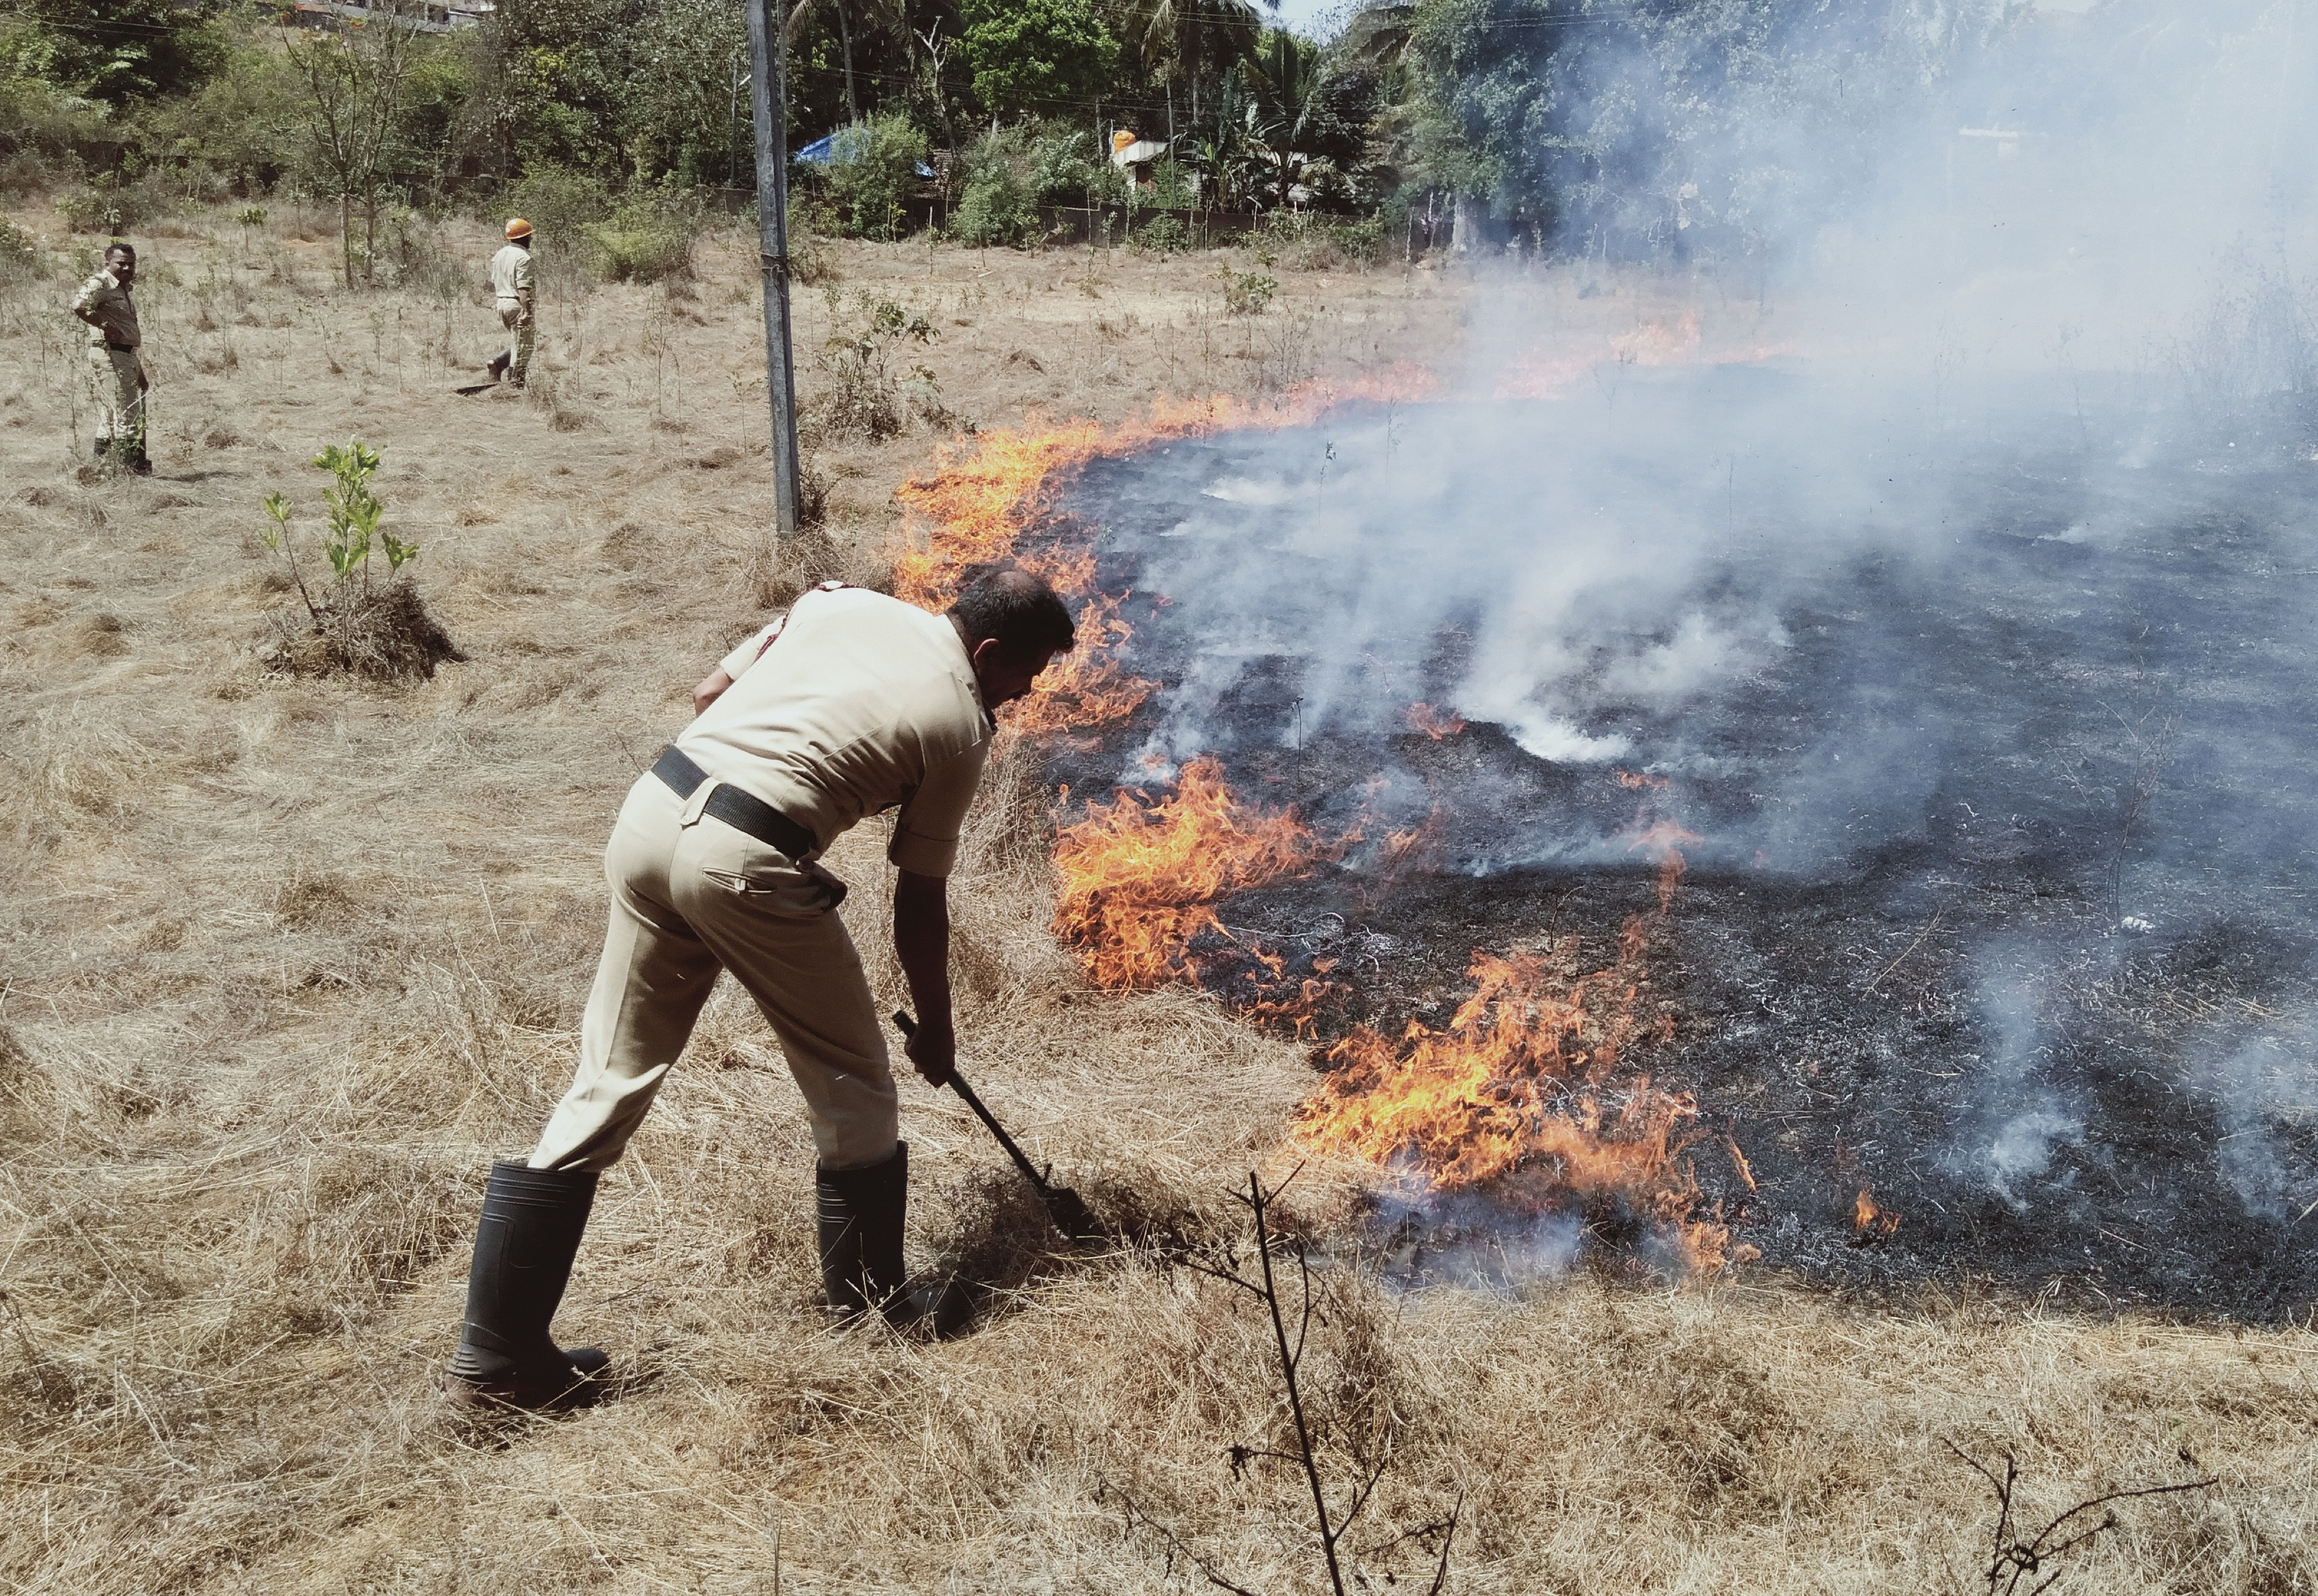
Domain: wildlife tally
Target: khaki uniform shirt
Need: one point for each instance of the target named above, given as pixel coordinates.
(102, 297)
(511, 274)
(860, 704)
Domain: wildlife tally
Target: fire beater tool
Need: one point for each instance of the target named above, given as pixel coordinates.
(1064, 1207)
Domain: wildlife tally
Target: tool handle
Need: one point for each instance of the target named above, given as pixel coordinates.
(909, 1028)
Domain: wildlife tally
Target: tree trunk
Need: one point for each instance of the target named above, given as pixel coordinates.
(369, 239)
(845, 40)
(1469, 232)
(347, 235)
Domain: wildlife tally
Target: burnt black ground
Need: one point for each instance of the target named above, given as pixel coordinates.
(2005, 904)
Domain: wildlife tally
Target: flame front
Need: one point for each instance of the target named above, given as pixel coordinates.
(1869, 1220)
(981, 500)
(1140, 876)
(1435, 723)
(1528, 1091)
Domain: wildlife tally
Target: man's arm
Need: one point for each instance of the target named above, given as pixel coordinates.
(710, 689)
(921, 941)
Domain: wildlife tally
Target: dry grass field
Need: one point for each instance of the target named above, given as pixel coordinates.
(285, 961)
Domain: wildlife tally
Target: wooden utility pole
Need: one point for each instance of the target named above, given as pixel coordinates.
(769, 94)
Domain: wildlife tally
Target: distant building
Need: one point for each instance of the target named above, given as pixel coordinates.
(428, 17)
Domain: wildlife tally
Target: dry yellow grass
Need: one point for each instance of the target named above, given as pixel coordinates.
(285, 962)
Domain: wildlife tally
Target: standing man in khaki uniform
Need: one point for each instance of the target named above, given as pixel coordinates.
(511, 291)
(853, 703)
(114, 358)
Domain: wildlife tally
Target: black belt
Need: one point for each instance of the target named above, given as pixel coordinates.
(121, 348)
(734, 807)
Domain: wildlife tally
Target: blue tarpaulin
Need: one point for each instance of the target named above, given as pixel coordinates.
(846, 144)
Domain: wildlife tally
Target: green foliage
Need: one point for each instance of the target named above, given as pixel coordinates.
(355, 511)
(650, 236)
(583, 233)
(1290, 130)
(1065, 169)
(684, 113)
(561, 205)
(1659, 131)
(107, 205)
(237, 134)
(19, 252)
(1170, 187)
(864, 394)
(1010, 172)
(1037, 55)
(41, 128)
(996, 207)
(117, 53)
(875, 174)
(1246, 293)
(1163, 235)
(1315, 241)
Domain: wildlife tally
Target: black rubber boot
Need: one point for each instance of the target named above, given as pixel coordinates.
(499, 363)
(140, 464)
(860, 1214)
(524, 1246)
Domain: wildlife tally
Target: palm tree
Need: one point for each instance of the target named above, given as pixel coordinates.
(878, 16)
(1190, 40)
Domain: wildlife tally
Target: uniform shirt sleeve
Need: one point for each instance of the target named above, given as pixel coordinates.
(926, 831)
(751, 650)
(89, 289)
(523, 275)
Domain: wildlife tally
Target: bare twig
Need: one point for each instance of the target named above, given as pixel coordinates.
(2012, 1559)
(1176, 1544)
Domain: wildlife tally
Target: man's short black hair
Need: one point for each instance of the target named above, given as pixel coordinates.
(118, 248)
(1026, 616)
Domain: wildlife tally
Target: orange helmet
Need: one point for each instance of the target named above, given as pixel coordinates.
(517, 228)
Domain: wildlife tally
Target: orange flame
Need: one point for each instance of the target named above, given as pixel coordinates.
(1526, 1091)
(1435, 723)
(1871, 1221)
(983, 499)
(1139, 876)
(1540, 375)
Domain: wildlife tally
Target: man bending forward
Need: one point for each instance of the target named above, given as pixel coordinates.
(853, 703)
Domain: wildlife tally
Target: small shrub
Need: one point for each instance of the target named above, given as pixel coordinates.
(866, 397)
(1066, 169)
(85, 211)
(997, 206)
(414, 247)
(874, 176)
(1247, 293)
(383, 633)
(1311, 242)
(1162, 235)
(810, 259)
(650, 237)
(563, 209)
(19, 252)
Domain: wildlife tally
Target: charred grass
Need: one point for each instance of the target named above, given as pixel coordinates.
(284, 961)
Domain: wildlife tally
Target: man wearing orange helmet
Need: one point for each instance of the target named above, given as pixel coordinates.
(511, 287)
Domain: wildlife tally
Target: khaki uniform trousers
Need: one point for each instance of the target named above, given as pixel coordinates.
(514, 315)
(690, 894)
(120, 395)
